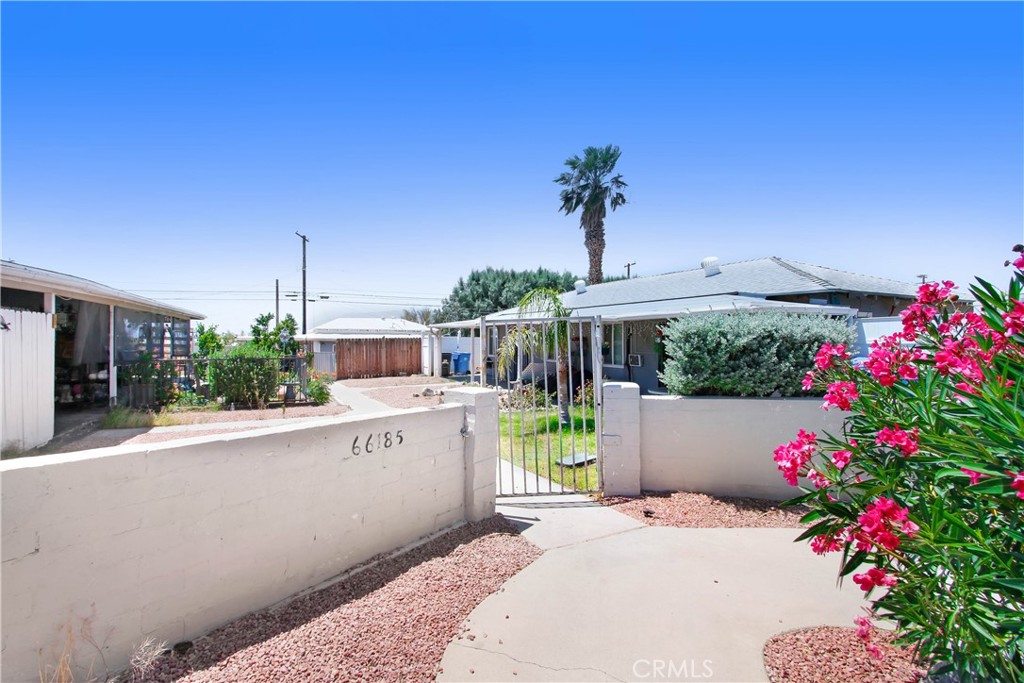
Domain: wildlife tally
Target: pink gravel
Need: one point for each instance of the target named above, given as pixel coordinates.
(698, 510)
(390, 622)
(830, 654)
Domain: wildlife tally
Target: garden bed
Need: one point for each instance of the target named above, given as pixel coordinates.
(836, 655)
(389, 622)
(698, 510)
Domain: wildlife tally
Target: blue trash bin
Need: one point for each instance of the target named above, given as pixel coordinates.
(461, 363)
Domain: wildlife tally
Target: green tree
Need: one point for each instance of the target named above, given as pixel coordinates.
(267, 338)
(208, 341)
(489, 290)
(543, 302)
(588, 186)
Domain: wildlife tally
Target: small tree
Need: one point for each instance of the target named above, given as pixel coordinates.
(922, 492)
(208, 342)
(270, 339)
(546, 303)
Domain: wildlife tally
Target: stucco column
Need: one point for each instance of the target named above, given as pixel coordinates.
(621, 439)
(480, 435)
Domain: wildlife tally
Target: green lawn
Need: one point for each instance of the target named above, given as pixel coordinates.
(536, 444)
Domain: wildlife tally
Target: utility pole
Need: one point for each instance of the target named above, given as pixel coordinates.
(277, 300)
(304, 240)
(627, 267)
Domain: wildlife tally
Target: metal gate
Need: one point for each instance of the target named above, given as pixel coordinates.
(548, 375)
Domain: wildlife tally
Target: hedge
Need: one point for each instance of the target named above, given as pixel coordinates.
(745, 354)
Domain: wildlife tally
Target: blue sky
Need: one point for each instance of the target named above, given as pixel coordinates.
(173, 147)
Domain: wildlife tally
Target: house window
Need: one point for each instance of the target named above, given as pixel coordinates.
(613, 348)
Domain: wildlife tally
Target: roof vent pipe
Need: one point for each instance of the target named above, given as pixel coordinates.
(581, 286)
(710, 266)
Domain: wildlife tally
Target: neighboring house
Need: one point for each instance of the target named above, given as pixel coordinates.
(632, 310)
(369, 347)
(62, 338)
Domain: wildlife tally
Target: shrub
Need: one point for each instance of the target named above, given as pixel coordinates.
(922, 492)
(317, 389)
(745, 354)
(585, 394)
(528, 396)
(246, 374)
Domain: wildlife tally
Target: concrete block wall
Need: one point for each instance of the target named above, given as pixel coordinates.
(714, 445)
(172, 540)
(481, 434)
(621, 439)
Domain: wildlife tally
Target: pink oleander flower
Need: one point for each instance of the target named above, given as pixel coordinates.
(828, 353)
(808, 381)
(907, 372)
(1018, 483)
(975, 477)
(825, 543)
(906, 442)
(889, 362)
(840, 395)
(935, 292)
(793, 456)
(1014, 320)
(874, 577)
(864, 627)
(878, 523)
(874, 652)
(818, 479)
(841, 458)
(915, 319)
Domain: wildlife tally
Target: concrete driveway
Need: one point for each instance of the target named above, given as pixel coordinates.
(614, 600)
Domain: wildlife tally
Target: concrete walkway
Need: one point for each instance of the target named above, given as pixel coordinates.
(612, 599)
(354, 399)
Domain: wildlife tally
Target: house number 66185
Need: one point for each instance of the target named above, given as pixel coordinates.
(375, 442)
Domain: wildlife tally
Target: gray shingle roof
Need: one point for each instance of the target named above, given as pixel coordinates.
(763, 277)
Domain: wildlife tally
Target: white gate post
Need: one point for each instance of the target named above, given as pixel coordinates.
(480, 435)
(621, 438)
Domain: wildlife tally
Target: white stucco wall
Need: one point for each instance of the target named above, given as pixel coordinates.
(723, 446)
(172, 540)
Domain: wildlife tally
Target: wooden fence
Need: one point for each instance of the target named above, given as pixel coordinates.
(358, 358)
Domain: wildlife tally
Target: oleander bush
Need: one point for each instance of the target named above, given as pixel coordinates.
(923, 491)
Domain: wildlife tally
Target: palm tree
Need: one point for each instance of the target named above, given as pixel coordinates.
(587, 185)
(542, 302)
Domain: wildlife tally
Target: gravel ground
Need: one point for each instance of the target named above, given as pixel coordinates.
(201, 417)
(829, 654)
(702, 511)
(375, 382)
(389, 622)
(93, 437)
(132, 436)
(406, 396)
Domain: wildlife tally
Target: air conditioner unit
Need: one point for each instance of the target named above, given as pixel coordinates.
(636, 360)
